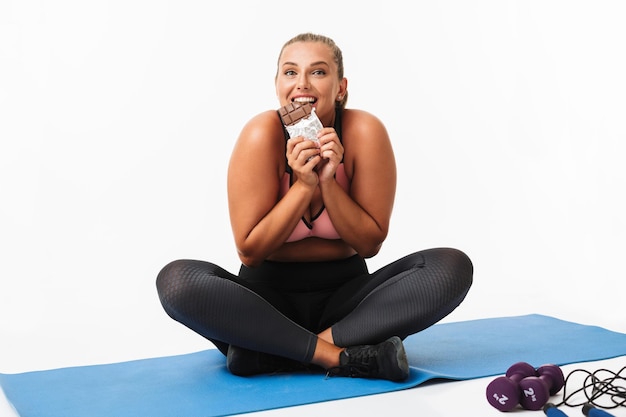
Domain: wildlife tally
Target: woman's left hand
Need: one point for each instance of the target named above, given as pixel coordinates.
(331, 152)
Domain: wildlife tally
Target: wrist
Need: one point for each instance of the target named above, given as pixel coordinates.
(304, 186)
(327, 183)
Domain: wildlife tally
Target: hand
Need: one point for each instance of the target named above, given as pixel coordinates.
(302, 156)
(331, 153)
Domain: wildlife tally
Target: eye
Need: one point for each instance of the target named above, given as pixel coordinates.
(319, 72)
(290, 73)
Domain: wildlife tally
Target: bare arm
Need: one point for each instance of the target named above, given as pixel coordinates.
(362, 217)
(260, 221)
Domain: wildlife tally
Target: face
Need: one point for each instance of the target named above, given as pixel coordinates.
(307, 72)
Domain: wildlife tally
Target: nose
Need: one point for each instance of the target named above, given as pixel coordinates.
(303, 81)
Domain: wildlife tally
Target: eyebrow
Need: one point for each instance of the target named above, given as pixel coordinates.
(314, 64)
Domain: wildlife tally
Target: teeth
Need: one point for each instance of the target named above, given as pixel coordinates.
(304, 99)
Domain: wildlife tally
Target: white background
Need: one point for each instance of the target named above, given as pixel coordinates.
(117, 119)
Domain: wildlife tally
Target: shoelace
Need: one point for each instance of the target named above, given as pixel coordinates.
(361, 363)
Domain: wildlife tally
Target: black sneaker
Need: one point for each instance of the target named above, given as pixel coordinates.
(386, 360)
(244, 362)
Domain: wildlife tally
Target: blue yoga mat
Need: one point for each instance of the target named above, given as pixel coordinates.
(198, 384)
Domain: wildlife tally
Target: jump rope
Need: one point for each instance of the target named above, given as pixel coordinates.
(600, 390)
(531, 388)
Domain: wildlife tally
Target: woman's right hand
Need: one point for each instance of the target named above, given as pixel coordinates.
(303, 155)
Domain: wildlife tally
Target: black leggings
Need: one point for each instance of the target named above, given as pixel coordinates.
(280, 307)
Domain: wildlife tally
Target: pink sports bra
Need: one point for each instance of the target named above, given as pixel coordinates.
(320, 224)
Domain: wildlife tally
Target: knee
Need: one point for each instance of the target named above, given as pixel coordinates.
(456, 265)
(460, 260)
(466, 263)
(462, 268)
(169, 282)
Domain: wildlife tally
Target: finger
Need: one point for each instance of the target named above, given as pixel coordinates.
(325, 137)
(330, 154)
(309, 155)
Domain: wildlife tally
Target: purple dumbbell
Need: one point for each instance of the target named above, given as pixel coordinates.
(536, 390)
(504, 392)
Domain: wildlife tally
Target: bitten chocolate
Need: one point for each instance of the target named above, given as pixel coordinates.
(292, 113)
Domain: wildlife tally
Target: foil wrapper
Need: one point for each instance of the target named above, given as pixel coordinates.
(307, 127)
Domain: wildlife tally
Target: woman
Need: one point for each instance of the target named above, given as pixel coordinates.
(305, 214)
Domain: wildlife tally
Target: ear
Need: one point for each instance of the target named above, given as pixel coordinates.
(343, 88)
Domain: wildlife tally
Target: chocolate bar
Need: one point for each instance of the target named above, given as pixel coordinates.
(292, 113)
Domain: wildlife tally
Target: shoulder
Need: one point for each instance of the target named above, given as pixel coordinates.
(263, 125)
(362, 123)
(364, 135)
(362, 126)
(359, 114)
(260, 147)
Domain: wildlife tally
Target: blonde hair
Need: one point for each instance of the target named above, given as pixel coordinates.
(337, 55)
